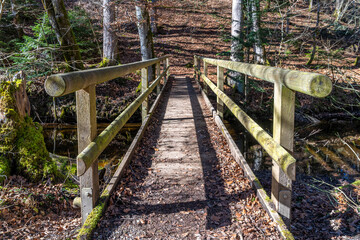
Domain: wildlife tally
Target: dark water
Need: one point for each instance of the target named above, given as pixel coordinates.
(61, 139)
(320, 149)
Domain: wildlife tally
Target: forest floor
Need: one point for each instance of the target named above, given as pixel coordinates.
(188, 28)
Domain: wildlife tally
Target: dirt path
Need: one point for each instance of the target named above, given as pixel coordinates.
(183, 182)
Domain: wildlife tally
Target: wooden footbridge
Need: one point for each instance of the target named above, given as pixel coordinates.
(178, 153)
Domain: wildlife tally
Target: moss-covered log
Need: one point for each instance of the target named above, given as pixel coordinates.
(22, 146)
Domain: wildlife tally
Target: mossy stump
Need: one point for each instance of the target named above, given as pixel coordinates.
(22, 147)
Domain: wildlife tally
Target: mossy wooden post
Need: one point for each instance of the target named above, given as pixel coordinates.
(157, 75)
(206, 74)
(220, 85)
(283, 133)
(144, 86)
(86, 132)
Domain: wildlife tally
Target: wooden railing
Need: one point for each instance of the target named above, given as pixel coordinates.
(286, 83)
(91, 146)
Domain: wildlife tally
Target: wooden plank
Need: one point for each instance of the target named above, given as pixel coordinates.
(95, 216)
(313, 84)
(86, 132)
(283, 133)
(220, 85)
(144, 87)
(239, 158)
(63, 84)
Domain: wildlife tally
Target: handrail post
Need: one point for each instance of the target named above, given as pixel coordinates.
(283, 133)
(195, 68)
(144, 86)
(157, 75)
(220, 85)
(167, 65)
(86, 132)
(206, 74)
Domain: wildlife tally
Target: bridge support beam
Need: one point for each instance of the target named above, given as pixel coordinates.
(220, 85)
(86, 132)
(283, 133)
(144, 87)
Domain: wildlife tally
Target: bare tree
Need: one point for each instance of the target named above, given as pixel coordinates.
(153, 17)
(109, 36)
(315, 34)
(59, 21)
(237, 51)
(145, 34)
(15, 14)
(258, 49)
(2, 3)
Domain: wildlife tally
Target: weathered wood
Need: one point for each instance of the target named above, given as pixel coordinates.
(206, 90)
(86, 132)
(220, 85)
(277, 152)
(239, 158)
(313, 84)
(158, 87)
(167, 67)
(144, 87)
(95, 148)
(283, 133)
(63, 84)
(94, 217)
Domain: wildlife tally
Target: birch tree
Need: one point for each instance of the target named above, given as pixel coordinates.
(59, 21)
(255, 15)
(109, 36)
(2, 4)
(145, 34)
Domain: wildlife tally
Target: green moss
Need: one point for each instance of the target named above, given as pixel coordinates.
(22, 146)
(34, 161)
(4, 168)
(93, 218)
(356, 183)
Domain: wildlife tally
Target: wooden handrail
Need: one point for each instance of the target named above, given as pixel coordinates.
(63, 84)
(313, 84)
(96, 147)
(286, 82)
(277, 152)
(90, 146)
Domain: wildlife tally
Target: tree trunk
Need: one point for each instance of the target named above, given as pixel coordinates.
(15, 13)
(109, 41)
(145, 34)
(237, 53)
(237, 47)
(312, 56)
(60, 23)
(22, 146)
(258, 49)
(153, 17)
(2, 4)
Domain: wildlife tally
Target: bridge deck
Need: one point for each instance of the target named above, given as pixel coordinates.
(183, 183)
